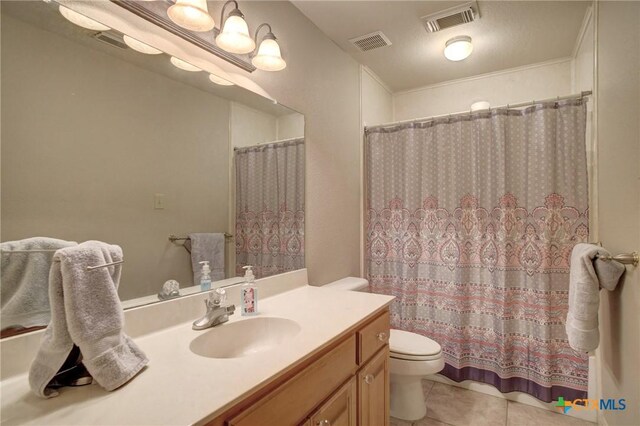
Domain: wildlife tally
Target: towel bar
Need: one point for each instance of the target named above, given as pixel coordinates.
(174, 238)
(91, 268)
(625, 259)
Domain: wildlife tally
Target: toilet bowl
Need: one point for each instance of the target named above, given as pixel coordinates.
(412, 357)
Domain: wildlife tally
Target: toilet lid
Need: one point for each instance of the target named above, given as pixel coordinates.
(404, 344)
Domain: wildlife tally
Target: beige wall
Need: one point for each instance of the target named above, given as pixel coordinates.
(618, 133)
(538, 81)
(86, 145)
(290, 126)
(377, 102)
(250, 126)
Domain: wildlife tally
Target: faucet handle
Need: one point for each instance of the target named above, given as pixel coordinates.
(217, 297)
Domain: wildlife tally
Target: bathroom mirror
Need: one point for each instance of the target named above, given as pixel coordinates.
(102, 142)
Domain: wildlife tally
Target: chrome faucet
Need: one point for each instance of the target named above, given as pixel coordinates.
(216, 312)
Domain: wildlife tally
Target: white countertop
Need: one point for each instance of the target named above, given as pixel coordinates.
(179, 387)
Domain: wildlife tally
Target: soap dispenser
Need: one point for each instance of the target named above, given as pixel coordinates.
(249, 293)
(205, 276)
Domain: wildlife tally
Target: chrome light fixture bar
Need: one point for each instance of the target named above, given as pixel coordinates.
(190, 20)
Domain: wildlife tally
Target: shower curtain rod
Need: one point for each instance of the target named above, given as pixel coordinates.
(582, 94)
(281, 140)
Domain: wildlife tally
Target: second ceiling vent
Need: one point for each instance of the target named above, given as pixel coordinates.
(451, 17)
(371, 41)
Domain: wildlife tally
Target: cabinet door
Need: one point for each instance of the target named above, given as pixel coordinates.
(292, 402)
(373, 391)
(340, 409)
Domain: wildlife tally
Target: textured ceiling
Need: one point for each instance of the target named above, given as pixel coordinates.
(507, 35)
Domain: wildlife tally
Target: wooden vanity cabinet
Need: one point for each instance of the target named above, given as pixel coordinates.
(346, 384)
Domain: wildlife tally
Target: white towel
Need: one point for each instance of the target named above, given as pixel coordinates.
(86, 310)
(207, 246)
(587, 275)
(24, 293)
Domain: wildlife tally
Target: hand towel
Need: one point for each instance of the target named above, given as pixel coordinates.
(86, 311)
(24, 292)
(207, 246)
(587, 275)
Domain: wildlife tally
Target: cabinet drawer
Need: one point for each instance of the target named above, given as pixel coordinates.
(339, 410)
(293, 401)
(372, 337)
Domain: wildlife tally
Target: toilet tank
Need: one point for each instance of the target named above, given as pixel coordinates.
(350, 283)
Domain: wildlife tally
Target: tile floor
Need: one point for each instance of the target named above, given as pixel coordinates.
(454, 406)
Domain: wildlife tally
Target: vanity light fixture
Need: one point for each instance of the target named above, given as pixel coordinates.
(268, 56)
(185, 66)
(82, 20)
(234, 36)
(458, 48)
(191, 14)
(140, 46)
(219, 80)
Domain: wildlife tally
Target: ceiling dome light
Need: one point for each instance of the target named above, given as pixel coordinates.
(480, 105)
(218, 80)
(140, 46)
(458, 48)
(192, 15)
(268, 57)
(82, 20)
(186, 66)
(234, 37)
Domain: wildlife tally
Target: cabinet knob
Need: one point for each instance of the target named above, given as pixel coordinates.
(324, 422)
(368, 379)
(382, 336)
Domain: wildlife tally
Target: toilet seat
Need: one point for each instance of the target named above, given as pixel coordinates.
(407, 346)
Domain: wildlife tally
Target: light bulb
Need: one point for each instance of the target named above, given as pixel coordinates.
(185, 66)
(269, 57)
(140, 46)
(192, 15)
(234, 37)
(458, 48)
(82, 20)
(218, 80)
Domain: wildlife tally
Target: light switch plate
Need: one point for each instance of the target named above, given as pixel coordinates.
(158, 201)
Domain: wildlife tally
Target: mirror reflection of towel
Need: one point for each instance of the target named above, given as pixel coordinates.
(24, 291)
(207, 246)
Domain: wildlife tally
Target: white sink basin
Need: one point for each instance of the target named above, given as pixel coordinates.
(244, 338)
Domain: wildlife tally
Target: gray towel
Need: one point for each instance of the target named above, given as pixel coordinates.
(24, 292)
(587, 275)
(86, 311)
(207, 247)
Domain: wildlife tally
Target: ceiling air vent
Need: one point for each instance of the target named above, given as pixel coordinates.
(112, 39)
(451, 17)
(371, 41)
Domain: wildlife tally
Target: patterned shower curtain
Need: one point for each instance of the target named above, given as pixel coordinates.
(270, 207)
(471, 223)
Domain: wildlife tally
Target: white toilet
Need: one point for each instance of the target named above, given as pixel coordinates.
(412, 358)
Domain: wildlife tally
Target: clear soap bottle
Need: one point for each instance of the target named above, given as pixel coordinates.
(249, 293)
(205, 276)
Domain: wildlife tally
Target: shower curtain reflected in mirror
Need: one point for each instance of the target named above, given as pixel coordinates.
(471, 223)
(270, 207)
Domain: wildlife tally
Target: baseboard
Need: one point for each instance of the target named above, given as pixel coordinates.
(523, 398)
